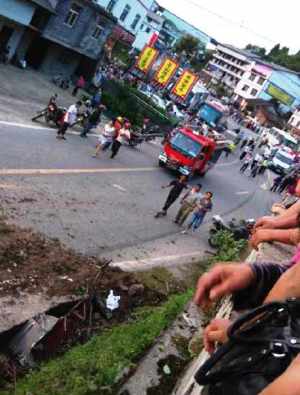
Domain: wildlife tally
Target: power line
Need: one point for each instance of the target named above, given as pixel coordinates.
(241, 25)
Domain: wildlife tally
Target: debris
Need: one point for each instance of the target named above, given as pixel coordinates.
(28, 336)
(112, 301)
(167, 370)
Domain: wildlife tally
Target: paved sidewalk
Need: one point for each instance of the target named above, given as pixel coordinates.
(23, 92)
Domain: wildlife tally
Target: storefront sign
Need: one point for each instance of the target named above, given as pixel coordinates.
(165, 72)
(185, 84)
(280, 95)
(146, 59)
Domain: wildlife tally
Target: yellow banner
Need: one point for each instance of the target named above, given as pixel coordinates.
(166, 71)
(184, 84)
(146, 59)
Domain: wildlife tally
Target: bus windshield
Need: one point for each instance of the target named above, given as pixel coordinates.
(186, 145)
(285, 159)
(210, 114)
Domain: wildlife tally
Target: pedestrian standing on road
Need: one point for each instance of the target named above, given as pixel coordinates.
(69, 119)
(96, 99)
(177, 187)
(105, 138)
(246, 162)
(188, 204)
(203, 207)
(244, 142)
(80, 83)
(93, 120)
(245, 152)
(123, 135)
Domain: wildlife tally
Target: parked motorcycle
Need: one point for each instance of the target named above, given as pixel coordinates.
(51, 113)
(61, 81)
(241, 230)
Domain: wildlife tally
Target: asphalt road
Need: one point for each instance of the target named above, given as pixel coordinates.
(106, 207)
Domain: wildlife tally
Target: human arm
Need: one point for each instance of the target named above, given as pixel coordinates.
(289, 219)
(285, 236)
(286, 384)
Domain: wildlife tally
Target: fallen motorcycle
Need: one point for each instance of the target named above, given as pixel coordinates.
(52, 114)
(241, 230)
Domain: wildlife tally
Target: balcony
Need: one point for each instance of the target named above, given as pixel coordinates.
(226, 70)
(231, 62)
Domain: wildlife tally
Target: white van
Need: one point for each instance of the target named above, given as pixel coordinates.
(282, 161)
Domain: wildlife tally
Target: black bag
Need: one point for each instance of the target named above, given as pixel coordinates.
(262, 344)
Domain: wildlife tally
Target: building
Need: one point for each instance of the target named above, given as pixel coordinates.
(174, 28)
(249, 77)
(20, 19)
(294, 122)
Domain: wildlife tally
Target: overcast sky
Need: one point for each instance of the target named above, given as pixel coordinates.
(239, 22)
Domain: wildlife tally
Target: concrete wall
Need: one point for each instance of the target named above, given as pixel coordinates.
(288, 82)
(136, 8)
(79, 36)
(20, 11)
(60, 60)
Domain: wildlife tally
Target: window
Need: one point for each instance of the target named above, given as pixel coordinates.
(97, 32)
(125, 13)
(148, 30)
(135, 21)
(142, 26)
(252, 77)
(245, 88)
(261, 80)
(254, 92)
(73, 15)
(111, 5)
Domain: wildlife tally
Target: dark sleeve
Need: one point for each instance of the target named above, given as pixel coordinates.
(172, 183)
(266, 275)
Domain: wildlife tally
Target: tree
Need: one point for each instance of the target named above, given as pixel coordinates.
(260, 51)
(188, 45)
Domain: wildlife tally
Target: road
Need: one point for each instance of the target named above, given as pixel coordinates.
(106, 207)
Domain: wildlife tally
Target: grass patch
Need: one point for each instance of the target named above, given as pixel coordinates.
(93, 368)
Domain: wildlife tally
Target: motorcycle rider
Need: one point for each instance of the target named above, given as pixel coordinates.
(69, 119)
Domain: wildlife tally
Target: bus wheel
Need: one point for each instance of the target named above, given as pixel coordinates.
(161, 163)
(202, 174)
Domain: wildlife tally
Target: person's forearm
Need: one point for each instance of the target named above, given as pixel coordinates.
(287, 220)
(285, 236)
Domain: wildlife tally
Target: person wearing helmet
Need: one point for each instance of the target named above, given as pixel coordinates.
(123, 135)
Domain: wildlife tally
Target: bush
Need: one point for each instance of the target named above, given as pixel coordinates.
(123, 100)
(228, 249)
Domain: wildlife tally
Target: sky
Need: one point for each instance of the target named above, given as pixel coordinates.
(239, 22)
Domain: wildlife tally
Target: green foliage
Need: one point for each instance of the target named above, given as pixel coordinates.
(121, 100)
(279, 55)
(228, 249)
(188, 44)
(87, 369)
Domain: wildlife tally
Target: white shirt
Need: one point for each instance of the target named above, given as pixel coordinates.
(109, 132)
(71, 114)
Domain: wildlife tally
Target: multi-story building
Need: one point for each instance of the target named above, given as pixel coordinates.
(229, 65)
(294, 122)
(174, 28)
(21, 18)
(249, 77)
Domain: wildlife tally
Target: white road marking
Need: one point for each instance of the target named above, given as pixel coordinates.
(43, 128)
(119, 187)
(39, 172)
(135, 265)
(242, 193)
(227, 164)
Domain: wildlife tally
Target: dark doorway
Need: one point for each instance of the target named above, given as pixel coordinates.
(5, 35)
(36, 52)
(86, 67)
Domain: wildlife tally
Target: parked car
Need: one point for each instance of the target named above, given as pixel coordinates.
(282, 161)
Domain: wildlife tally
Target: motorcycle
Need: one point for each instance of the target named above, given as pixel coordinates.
(61, 81)
(52, 113)
(241, 230)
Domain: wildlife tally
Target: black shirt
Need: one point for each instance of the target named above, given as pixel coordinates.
(95, 116)
(178, 187)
